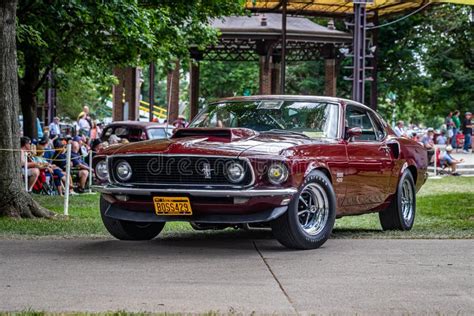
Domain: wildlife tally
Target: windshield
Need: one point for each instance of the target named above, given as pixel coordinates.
(313, 119)
(159, 133)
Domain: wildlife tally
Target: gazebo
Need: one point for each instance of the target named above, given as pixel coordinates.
(257, 38)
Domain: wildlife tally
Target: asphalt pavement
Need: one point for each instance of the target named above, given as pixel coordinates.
(238, 274)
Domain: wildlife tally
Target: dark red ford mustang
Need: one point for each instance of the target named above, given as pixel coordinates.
(291, 163)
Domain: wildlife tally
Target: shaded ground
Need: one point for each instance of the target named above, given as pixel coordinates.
(238, 275)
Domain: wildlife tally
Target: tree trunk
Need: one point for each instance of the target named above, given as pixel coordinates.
(28, 109)
(14, 200)
(28, 100)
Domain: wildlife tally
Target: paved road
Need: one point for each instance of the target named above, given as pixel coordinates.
(190, 274)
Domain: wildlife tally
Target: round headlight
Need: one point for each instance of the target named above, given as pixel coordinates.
(101, 170)
(124, 171)
(235, 172)
(277, 173)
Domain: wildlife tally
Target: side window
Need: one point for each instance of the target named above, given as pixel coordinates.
(379, 128)
(358, 117)
(106, 133)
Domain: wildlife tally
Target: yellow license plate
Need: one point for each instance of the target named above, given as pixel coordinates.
(172, 205)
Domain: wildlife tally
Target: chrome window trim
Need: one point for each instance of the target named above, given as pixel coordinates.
(335, 102)
(247, 161)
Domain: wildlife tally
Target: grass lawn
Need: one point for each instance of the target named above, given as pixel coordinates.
(445, 209)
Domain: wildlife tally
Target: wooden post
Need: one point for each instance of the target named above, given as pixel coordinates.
(126, 94)
(173, 93)
(283, 48)
(330, 77)
(265, 77)
(151, 89)
(194, 89)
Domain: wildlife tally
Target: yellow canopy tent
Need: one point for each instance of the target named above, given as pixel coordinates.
(343, 7)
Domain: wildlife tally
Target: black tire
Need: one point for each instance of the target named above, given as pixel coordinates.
(288, 229)
(394, 217)
(127, 230)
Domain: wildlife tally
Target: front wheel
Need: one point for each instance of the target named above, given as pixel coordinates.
(127, 230)
(400, 215)
(311, 215)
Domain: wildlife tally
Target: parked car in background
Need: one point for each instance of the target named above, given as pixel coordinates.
(135, 131)
(291, 163)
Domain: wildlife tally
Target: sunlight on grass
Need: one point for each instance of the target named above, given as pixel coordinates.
(445, 209)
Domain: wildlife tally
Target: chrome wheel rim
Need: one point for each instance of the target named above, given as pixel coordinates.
(313, 209)
(408, 198)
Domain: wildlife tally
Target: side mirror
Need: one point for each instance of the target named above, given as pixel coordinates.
(353, 132)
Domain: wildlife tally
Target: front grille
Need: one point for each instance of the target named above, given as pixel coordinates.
(180, 170)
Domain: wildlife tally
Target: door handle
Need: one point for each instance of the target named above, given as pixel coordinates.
(385, 148)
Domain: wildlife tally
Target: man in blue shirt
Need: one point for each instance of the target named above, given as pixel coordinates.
(450, 160)
(78, 163)
(54, 129)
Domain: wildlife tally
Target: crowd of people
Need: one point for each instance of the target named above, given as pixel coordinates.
(46, 162)
(455, 133)
(46, 158)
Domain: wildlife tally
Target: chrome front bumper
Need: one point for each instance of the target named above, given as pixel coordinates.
(113, 189)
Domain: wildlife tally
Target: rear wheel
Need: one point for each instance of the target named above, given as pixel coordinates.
(127, 230)
(400, 215)
(311, 215)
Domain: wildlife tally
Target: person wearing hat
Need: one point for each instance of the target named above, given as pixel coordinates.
(449, 160)
(428, 143)
(54, 129)
(84, 125)
(51, 170)
(467, 131)
(180, 122)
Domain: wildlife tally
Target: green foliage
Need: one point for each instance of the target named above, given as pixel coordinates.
(427, 61)
(305, 78)
(226, 79)
(87, 38)
(80, 87)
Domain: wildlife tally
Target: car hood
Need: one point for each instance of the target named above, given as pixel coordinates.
(219, 142)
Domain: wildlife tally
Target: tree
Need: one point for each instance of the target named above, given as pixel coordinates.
(61, 33)
(225, 79)
(14, 200)
(427, 61)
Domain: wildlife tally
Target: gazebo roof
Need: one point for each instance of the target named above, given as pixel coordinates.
(245, 38)
(343, 7)
(269, 26)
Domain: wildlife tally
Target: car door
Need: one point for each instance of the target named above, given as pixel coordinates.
(369, 161)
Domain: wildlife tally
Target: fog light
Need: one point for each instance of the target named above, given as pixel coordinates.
(240, 200)
(123, 198)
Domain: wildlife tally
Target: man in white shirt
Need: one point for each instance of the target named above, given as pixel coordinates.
(84, 126)
(399, 130)
(54, 129)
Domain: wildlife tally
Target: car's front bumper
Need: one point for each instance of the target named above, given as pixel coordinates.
(113, 189)
(209, 206)
(117, 212)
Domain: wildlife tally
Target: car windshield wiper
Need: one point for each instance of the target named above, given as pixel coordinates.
(284, 131)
